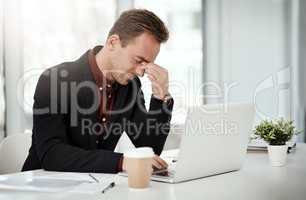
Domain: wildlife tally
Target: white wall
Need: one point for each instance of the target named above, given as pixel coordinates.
(249, 44)
(302, 59)
(13, 45)
(251, 47)
(2, 105)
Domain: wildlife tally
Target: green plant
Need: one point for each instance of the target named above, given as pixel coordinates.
(276, 132)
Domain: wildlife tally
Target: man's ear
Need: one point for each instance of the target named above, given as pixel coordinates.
(113, 41)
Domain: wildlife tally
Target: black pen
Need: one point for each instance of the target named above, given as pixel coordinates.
(94, 178)
(111, 185)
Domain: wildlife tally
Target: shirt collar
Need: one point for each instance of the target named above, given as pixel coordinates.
(99, 77)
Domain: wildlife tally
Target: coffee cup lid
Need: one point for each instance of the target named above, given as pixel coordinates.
(142, 152)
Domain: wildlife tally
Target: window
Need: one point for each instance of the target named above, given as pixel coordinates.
(57, 31)
(182, 54)
(2, 101)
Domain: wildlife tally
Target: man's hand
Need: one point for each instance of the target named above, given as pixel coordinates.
(159, 78)
(157, 163)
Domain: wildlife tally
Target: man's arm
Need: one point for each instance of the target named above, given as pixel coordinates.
(50, 133)
(150, 128)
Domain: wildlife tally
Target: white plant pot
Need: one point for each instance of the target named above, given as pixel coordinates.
(277, 155)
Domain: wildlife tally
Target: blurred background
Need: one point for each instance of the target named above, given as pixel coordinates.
(219, 50)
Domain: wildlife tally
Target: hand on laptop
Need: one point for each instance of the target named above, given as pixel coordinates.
(157, 164)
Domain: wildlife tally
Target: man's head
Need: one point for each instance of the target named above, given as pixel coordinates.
(134, 40)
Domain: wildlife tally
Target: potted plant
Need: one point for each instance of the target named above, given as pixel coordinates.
(276, 133)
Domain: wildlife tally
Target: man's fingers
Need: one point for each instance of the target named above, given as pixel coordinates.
(152, 69)
(161, 162)
(152, 78)
(156, 164)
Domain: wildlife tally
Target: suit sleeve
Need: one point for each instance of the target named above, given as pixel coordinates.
(150, 128)
(50, 136)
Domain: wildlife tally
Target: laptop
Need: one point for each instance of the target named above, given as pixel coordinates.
(214, 142)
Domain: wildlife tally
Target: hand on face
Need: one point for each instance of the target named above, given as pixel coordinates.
(159, 78)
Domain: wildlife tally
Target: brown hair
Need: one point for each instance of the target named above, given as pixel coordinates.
(134, 22)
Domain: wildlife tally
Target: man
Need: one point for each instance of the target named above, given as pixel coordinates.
(81, 108)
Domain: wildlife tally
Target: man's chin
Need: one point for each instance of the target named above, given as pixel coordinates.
(123, 82)
(130, 78)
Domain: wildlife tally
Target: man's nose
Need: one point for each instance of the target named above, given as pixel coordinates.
(139, 71)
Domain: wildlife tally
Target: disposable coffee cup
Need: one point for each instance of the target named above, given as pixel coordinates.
(139, 167)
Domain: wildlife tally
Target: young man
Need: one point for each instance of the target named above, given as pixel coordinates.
(81, 108)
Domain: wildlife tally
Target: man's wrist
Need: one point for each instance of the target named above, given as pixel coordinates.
(120, 164)
(164, 98)
(165, 105)
(124, 168)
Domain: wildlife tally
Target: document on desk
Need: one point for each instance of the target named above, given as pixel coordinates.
(261, 146)
(57, 182)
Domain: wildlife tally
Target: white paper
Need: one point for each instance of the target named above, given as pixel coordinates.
(56, 182)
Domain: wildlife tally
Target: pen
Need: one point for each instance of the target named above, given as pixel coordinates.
(111, 185)
(94, 178)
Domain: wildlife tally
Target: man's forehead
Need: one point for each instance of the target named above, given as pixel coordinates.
(146, 53)
(146, 47)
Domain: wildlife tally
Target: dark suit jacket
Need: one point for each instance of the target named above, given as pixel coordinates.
(66, 124)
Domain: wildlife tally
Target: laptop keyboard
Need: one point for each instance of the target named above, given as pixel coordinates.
(170, 171)
(164, 173)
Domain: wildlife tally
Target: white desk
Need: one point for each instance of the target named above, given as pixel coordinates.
(257, 180)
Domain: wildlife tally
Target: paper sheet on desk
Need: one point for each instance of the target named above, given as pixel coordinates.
(59, 182)
(77, 176)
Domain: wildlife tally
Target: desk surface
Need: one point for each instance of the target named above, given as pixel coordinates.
(257, 180)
